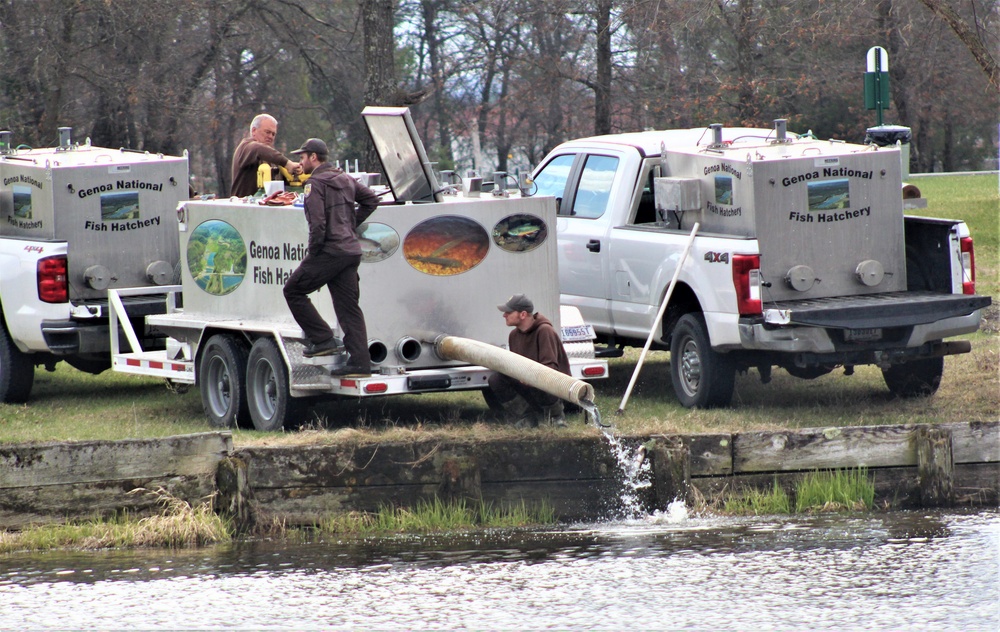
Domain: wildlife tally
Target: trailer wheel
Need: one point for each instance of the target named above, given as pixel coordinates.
(702, 378)
(267, 387)
(920, 378)
(221, 379)
(17, 371)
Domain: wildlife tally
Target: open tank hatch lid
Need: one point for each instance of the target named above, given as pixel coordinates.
(404, 161)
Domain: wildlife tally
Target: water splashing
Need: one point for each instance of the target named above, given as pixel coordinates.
(631, 462)
(675, 513)
(594, 415)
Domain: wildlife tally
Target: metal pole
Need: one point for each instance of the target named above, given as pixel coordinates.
(878, 88)
(659, 316)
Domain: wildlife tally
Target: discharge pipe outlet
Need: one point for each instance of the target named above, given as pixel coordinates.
(518, 367)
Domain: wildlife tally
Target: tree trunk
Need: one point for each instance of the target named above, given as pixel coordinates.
(431, 11)
(602, 88)
(380, 69)
(746, 108)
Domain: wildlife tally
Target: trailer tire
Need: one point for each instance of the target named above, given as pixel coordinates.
(702, 378)
(17, 371)
(919, 378)
(271, 405)
(222, 380)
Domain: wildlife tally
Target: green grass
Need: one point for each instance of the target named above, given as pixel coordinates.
(976, 201)
(755, 502)
(835, 491)
(178, 524)
(838, 490)
(437, 516)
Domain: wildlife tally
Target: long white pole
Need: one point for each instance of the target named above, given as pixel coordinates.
(659, 316)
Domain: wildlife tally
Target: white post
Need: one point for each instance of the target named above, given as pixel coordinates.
(659, 316)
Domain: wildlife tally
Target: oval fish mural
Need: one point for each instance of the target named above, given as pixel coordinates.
(520, 233)
(378, 242)
(446, 245)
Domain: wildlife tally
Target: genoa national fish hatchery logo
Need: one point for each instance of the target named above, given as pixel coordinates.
(217, 257)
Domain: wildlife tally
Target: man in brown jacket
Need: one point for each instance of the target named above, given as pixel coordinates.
(535, 338)
(256, 149)
(335, 205)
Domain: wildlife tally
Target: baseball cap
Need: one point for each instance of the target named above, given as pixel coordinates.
(517, 303)
(313, 146)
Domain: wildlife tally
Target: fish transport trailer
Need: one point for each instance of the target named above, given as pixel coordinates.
(429, 271)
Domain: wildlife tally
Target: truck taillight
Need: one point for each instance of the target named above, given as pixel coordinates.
(968, 266)
(53, 283)
(746, 280)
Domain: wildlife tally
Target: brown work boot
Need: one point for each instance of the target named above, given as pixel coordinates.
(519, 413)
(553, 416)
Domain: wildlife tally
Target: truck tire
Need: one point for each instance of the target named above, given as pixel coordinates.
(17, 371)
(221, 377)
(920, 378)
(702, 378)
(271, 405)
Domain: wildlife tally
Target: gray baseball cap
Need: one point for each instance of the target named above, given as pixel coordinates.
(517, 303)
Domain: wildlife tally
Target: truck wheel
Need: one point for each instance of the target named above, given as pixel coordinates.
(920, 378)
(267, 387)
(221, 378)
(17, 371)
(702, 378)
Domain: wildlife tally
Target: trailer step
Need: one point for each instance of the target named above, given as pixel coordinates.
(155, 364)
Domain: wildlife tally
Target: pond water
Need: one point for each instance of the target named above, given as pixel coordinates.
(901, 570)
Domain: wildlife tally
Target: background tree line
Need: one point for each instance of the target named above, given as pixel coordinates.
(493, 84)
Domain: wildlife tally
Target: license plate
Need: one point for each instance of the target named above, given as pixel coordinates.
(862, 335)
(576, 333)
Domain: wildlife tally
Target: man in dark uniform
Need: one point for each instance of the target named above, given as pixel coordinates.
(335, 205)
(535, 338)
(256, 149)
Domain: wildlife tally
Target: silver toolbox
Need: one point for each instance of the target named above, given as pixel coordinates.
(116, 209)
(827, 216)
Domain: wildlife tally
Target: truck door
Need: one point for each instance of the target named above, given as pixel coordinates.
(583, 182)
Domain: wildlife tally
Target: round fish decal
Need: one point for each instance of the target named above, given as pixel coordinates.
(446, 245)
(216, 257)
(520, 232)
(378, 242)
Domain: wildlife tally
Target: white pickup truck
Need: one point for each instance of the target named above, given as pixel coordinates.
(76, 221)
(803, 258)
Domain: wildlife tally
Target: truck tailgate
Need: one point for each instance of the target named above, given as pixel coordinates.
(893, 309)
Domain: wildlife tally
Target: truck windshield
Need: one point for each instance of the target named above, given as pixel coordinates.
(552, 179)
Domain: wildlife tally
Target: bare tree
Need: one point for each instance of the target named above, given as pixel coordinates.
(973, 38)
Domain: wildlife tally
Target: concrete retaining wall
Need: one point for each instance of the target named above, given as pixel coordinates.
(912, 465)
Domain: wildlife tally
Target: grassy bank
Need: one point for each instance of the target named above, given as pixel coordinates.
(179, 525)
(839, 490)
(69, 405)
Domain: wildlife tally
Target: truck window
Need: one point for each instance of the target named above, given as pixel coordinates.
(645, 213)
(594, 190)
(551, 180)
